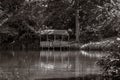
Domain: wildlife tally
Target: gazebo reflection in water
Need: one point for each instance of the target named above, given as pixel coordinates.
(51, 38)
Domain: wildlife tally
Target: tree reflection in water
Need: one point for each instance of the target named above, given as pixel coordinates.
(31, 65)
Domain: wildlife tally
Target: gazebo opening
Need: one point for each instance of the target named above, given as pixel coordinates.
(54, 38)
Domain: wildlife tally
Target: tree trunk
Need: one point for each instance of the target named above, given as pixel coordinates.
(77, 26)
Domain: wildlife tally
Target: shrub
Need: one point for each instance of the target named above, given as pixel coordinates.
(110, 65)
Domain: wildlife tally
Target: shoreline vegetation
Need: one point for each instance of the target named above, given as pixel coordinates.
(36, 46)
(111, 44)
(21, 23)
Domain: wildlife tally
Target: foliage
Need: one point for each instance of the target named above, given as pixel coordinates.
(62, 16)
(109, 44)
(29, 18)
(111, 65)
(16, 23)
(98, 18)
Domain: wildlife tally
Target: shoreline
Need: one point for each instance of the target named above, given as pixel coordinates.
(104, 45)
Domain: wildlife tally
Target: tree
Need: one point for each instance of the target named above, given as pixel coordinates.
(96, 16)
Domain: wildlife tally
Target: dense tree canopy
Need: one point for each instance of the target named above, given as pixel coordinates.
(98, 18)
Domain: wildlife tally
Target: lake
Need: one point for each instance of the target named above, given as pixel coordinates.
(39, 65)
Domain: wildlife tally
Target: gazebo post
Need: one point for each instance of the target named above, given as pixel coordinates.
(40, 42)
(54, 42)
(48, 41)
(68, 59)
(61, 43)
(54, 59)
(68, 42)
(62, 40)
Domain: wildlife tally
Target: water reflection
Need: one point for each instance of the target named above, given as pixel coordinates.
(31, 65)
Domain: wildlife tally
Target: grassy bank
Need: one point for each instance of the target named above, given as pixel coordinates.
(111, 44)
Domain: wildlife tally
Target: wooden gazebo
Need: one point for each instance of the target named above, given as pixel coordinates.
(54, 38)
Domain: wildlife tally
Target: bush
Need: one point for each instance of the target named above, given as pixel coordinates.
(106, 45)
(110, 65)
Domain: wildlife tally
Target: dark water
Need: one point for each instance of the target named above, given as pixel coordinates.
(36, 65)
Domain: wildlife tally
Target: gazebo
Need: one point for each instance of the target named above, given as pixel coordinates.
(54, 38)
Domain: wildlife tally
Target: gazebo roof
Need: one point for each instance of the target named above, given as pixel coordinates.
(54, 32)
